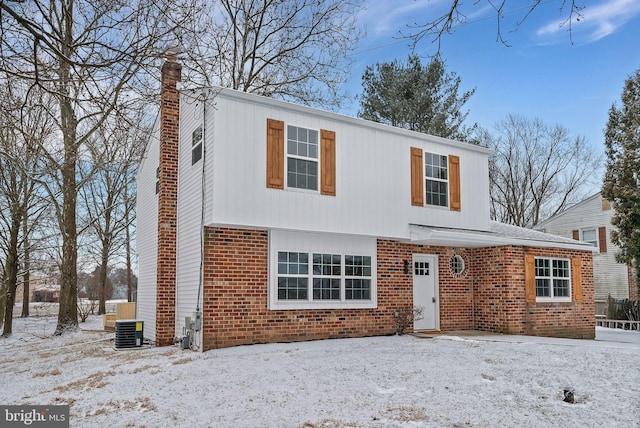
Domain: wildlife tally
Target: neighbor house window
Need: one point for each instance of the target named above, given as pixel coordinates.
(436, 179)
(590, 236)
(332, 277)
(196, 145)
(553, 278)
(302, 158)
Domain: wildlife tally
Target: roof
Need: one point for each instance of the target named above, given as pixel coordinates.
(353, 121)
(498, 234)
(569, 209)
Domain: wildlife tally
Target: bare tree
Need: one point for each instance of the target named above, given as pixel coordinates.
(456, 12)
(536, 169)
(296, 50)
(115, 152)
(24, 130)
(91, 56)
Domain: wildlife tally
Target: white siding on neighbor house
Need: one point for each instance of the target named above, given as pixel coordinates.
(189, 216)
(610, 277)
(373, 183)
(147, 236)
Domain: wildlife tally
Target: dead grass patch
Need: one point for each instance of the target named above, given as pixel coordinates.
(54, 372)
(487, 377)
(95, 380)
(139, 403)
(407, 414)
(182, 361)
(329, 423)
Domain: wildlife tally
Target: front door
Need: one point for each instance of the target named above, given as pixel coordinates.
(425, 295)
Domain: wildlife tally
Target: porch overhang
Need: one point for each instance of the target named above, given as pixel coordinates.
(499, 234)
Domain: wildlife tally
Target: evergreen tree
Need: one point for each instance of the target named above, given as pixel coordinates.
(622, 177)
(416, 97)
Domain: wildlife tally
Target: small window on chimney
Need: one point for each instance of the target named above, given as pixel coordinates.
(196, 145)
(157, 180)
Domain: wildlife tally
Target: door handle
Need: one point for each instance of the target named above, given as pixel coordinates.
(433, 299)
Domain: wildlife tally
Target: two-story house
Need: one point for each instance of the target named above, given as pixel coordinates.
(263, 221)
(590, 221)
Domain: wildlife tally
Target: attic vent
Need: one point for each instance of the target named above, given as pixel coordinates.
(129, 333)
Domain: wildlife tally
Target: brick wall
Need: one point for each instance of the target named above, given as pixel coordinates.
(489, 296)
(455, 292)
(235, 299)
(499, 296)
(167, 203)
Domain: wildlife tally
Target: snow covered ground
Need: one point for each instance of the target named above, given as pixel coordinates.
(398, 381)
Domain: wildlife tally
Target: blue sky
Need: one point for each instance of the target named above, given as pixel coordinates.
(542, 75)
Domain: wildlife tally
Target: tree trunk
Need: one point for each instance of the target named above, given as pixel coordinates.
(102, 307)
(26, 277)
(68, 312)
(11, 274)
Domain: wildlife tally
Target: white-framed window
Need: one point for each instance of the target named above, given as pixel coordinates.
(436, 183)
(196, 145)
(302, 158)
(457, 264)
(321, 271)
(553, 279)
(321, 276)
(590, 236)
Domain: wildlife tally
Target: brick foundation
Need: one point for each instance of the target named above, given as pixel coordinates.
(489, 296)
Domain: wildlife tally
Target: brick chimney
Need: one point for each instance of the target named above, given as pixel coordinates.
(168, 201)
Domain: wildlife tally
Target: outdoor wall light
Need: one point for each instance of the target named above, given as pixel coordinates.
(406, 266)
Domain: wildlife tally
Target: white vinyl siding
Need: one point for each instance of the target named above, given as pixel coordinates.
(610, 277)
(190, 195)
(372, 174)
(147, 236)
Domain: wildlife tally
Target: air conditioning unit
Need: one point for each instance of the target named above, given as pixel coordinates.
(129, 333)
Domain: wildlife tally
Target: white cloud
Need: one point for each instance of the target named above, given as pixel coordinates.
(388, 18)
(597, 21)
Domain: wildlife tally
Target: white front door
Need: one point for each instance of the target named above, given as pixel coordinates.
(425, 293)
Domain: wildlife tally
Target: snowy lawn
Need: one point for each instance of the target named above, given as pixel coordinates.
(398, 381)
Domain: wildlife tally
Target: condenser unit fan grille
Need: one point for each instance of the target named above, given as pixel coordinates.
(129, 333)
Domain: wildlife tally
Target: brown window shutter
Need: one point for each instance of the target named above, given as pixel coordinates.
(576, 234)
(576, 278)
(529, 278)
(328, 162)
(417, 177)
(602, 239)
(275, 154)
(454, 183)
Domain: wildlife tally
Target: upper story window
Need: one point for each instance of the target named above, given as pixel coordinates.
(590, 236)
(436, 179)
(295, 162)
(196, 145)
(302, 158)
(553, 279)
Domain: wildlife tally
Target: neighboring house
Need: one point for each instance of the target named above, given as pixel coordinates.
(590, 221)
(47, 293)
(266, 221)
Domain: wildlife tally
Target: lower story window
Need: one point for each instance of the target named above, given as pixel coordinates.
(331, 277)
(553, 278)
(357, 277)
